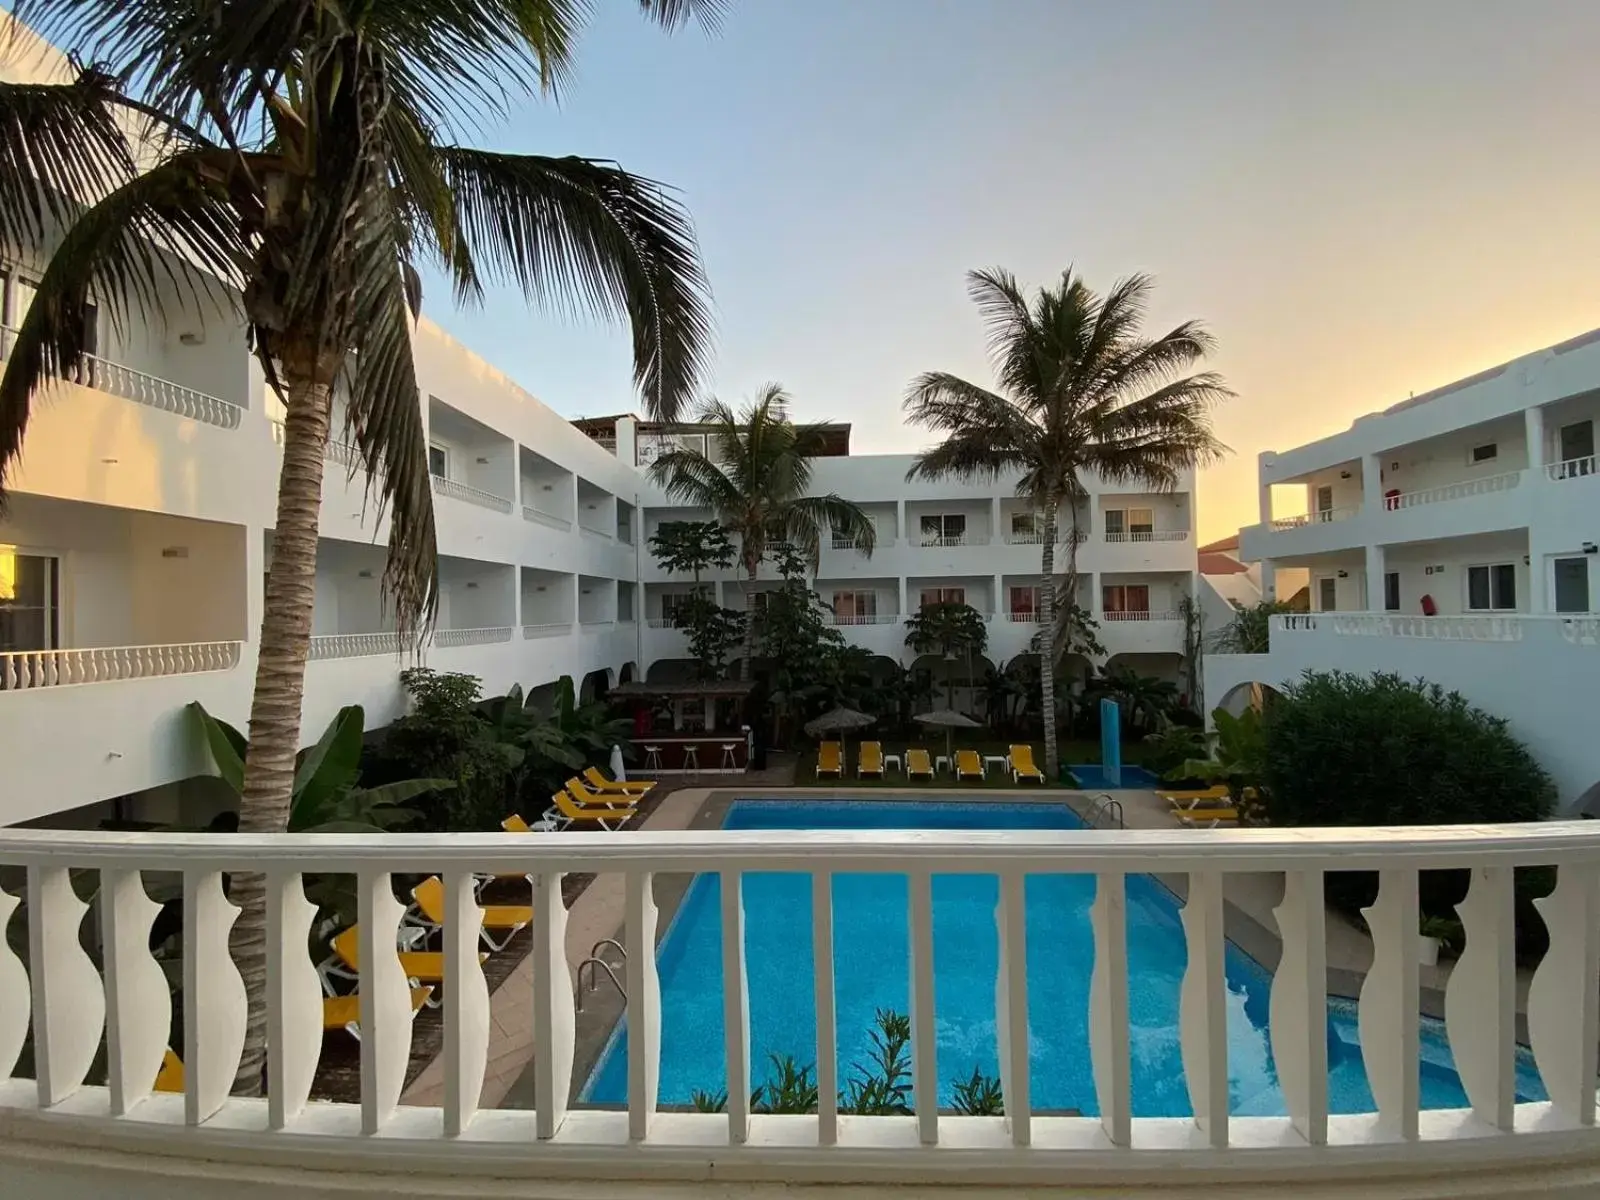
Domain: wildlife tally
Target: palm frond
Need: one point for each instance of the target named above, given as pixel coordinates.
(985, 433)
(692, 478)
(806, 518)
(576, 230)
(114, 253)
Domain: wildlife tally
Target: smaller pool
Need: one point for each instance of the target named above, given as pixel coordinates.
(1092, 775)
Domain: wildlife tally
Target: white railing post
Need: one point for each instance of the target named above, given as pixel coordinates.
(466, 1004)
(735, 1006)
(214, 1010)
(14, 987)
(1563, 1004)
(1480, 1001)
(1108, 1007)
(1299, 1005)
(924, 1030)
(1387, 1018)
(644, 1005)
(827, 1032)
(1011, 1006)
(69, 1004)
(138, 1003)
(1202, 1008)
(294, 999)
(554, 1019)
(385, 1006)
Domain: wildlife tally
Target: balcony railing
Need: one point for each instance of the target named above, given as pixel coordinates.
(539, 517)
(472, 637)
(129, 384)
(552, 629)
(1572, 468)
(591, 532)
(956, 539)
(867, 619)
(460, 491)
(354, 645)
(662, 622)
(1024, 618)
(25, 670)
(1150, 535)
(346, 454)
(844, 543)
(1485, 486)
(1159, 615)
(78, 1005)
(1322, 517)
(1578, 630)
(1036, 538)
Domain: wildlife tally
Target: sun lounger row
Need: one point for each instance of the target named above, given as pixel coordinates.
(968, 764)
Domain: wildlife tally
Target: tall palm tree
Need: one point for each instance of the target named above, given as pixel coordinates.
(1080, 390)
(754, 478)
(295, 161)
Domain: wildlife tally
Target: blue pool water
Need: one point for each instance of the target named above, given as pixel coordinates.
(1093, 776)
(872, 971)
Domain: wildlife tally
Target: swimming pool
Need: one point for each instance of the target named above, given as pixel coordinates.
(1093, 776)
(872, 971)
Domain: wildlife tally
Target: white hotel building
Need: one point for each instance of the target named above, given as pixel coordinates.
(1452, 536)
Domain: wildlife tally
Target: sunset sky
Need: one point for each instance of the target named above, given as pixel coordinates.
(1362, 199)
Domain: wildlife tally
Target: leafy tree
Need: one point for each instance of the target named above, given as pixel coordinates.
(1249, 631)
(691, 548)
(1144, 700)
(795, 631)
(301, 155)
(1236, 755)
(713, 632)
(755, 481)
(949, 629)
(1081, 390)
(1073, 631)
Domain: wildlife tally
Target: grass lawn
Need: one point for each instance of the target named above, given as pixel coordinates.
(1073, 751)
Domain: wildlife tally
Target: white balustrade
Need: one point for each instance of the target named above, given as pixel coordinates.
(540, 517)
(553, 629)
(957, 539)
(444, 638)
(71, 1005)
(1571, 468)
(589, 531)
(1037, 539)
(457, 490)
(354, 645)
(1151, 535)
(1141, 616)
(1460, 490)
(346, 454)
(1581, 631)
(1324, 516)
(1024, 618)
(24, 670)
(866, 619)
(662, 622)
(1472, 627)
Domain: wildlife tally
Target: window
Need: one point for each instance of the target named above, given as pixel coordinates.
(624, 602)
(1116, 528)
(438, 461)
(932, 596)
(1492, 588)
(1572, 585)
(1391, 591)
(1327, 594)
(1024, 603)
(1125, 601)
(1487, 452)
(672, 604)
(758, 603)
(1141, 523)
(1577, 449)
(943, 529)
(1026, 524)
(855, 608)
(1324, 503)
(29, 592)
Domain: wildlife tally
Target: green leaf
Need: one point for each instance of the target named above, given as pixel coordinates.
(401, 791)
(331, 766)
(227, 746)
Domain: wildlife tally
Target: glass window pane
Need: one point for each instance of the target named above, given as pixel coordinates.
(1114, 520)
(1327, 594)
(438, 461)
(1141, 520)
(1505, 586)
(1478, 587)
(1572, 585)
(1391, 591)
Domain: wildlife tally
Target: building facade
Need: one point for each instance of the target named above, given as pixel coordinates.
(1451, 536)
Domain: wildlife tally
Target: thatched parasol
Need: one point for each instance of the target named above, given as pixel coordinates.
(950, 720)
(839, 720)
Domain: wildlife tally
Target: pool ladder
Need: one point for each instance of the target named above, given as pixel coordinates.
(596, 964)
(1105, 813)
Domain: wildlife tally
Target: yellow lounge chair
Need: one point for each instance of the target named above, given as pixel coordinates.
(1022, 765)
(344, 1012)
(420, 966)
(607, 818)
(1188, 799)
(588, 799)
(918, 765)
(968, 765)
(632, 787)
(870, 760)
(170, 1077)
(1208, 818)
(506, 920)
(830, 760)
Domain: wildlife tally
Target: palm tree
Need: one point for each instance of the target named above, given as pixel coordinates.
(293, 161)
(1080, 390)
(754, 478)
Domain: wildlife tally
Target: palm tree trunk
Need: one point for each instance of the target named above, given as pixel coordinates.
(748, 651)
(280, 685)
(1047, 649)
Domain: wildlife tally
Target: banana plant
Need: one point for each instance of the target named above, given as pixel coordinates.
(325, 798)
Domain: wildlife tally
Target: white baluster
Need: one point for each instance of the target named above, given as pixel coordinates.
(47, 666)
(924, 1032)
(554, 1022)
(1563, 1006)
(294, 999)
(1108, 1007)
(1011, 1006)
(1480, 1001)
(14, 992)
(1299, 1006)
(466, 1004)
(10, 664)
(385, 1001)
(644, 1005)
(138, 1003)
(69, 1004)
(1202, 1007)
(1387, 1017)
(827, 1032)
(735, 1006)
(214, 1009)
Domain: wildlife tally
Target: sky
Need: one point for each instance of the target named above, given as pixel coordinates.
(1362, 200)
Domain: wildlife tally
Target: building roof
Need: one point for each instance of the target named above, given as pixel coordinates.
(1226, 546)
(1220, 564)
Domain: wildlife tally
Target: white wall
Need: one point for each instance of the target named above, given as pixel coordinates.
(548, 598)
(476, 595)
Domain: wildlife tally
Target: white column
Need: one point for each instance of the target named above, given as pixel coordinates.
(1375, 570)
(994, 518)
(1534, 418)
(1266, 503)
(1371, 482)
(1269, 579)
(997, 598)
(904, 611)
(900, 521)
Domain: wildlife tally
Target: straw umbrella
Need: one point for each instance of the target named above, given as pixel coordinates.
(839, 720)
(950, 720)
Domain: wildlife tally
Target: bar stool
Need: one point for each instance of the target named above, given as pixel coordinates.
(652, 758)
(691, 757)
(730, 762)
